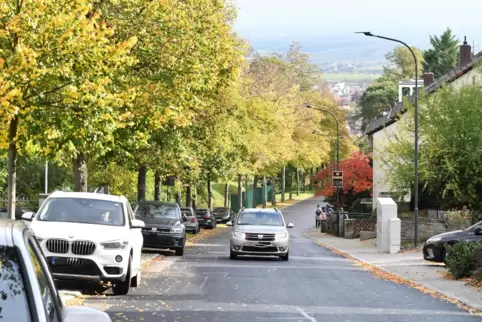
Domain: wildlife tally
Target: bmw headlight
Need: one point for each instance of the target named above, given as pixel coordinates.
(115, 244)
(279, 236)
(433, 240)
(237, 234)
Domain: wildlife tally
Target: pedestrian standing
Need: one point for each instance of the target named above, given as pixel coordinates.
(317, 216)
(323, 219)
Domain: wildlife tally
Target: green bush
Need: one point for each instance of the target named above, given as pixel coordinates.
(458, 219)
(461, 258)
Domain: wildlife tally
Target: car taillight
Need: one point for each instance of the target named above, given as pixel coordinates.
(206, 216)
(193, 219)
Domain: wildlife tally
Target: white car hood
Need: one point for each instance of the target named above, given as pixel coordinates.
(76, 231)
(260, 229)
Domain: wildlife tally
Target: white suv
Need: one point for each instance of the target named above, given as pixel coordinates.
(90, 236)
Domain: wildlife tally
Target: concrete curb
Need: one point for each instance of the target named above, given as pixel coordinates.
(472, 307)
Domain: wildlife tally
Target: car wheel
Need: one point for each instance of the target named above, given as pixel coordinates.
(233, 255)
(180, 251)
(122, 287)
(136, 280)
(285, 257)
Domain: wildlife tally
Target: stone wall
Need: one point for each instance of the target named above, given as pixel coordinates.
(427, 227)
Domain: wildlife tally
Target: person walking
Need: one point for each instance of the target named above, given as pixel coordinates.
(318, 213)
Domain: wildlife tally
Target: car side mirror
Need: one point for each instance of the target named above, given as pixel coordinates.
(478, 232)
(136, 223)
(28, 216)
(81, 313)
(290, 225)
(229, 223)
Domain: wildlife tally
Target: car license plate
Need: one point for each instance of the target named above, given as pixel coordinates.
(219, 220)
(208, 220)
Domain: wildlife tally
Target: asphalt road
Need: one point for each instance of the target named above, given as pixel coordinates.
(314, 285)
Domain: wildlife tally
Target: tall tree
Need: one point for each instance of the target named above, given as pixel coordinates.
(401, 64)
(444, 54)
(59, 83)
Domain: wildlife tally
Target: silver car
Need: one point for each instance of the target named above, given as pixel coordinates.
(260, 232)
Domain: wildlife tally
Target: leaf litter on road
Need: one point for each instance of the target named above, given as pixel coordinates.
(384, 275)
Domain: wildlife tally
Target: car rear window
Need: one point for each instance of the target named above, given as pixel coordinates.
(13, 297)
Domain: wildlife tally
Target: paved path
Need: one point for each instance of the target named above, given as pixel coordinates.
(314, 285)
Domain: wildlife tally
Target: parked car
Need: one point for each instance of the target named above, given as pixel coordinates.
(223, 214)
(90, 236)
(192, 224)
(26, 283)
(434, 248)
(164, 225)
(260, 232)
(19, 211)
(206, 218)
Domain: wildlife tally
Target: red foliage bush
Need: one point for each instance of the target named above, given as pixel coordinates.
(357, 175)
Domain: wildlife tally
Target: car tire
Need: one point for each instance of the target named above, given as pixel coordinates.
(136, 280)
(233, 255)
(285, 257)
(122, 287)
(180, 251)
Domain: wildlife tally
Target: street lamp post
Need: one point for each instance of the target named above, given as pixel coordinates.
(415, 188)
(337, 153)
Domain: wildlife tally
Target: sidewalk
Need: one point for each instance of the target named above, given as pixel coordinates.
(409, 266)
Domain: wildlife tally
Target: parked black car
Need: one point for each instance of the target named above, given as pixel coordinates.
(164, 225)
(223, 214)
(434, 249)
(206, 218)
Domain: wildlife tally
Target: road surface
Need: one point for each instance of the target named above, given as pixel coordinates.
(314, 285)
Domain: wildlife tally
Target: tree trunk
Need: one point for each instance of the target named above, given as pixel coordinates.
(157, 186)
(297, 182)
(265, 199)
(226, 195)
(283, 184)
(194, 200)
(246, 200)
(311, 178)
(188, 196)
(255, 188)
(80, 173)
(303, 181)
(141, 183)
(12, 167)
(291, 183)
(240, 191)
(210, 194)
(273, 191)
(178, 198)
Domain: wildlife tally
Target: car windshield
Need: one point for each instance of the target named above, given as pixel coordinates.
(147, 210)
(83, 210)
(13, 302)
(186, 211)
(473, 227)
(260, 219)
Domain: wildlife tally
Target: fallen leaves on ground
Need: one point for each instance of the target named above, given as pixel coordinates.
(205, 234)
(384, 275)
(78, 301)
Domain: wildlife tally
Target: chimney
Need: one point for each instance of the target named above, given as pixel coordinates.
(428, 78)
(465, 53)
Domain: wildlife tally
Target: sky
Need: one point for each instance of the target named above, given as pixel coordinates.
(410, 20)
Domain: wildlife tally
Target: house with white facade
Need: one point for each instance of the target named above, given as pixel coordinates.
(386, 126)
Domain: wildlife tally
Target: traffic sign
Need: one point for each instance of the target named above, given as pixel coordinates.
(337, 179)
